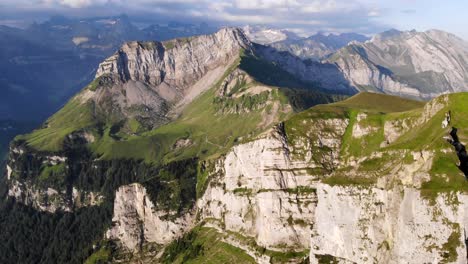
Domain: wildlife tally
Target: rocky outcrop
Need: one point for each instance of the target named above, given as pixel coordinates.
(360, 130)
(260, 195)
(262, 190)
(137, 220)
(393, 129)
(50, 199)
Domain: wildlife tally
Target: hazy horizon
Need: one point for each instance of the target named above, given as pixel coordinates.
(302, 17)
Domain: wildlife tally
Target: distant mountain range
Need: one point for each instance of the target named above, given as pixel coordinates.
(418, 65)
(407, 63)
(314, 47)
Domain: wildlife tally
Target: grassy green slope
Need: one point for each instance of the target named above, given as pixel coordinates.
(445, 176)
(427, 135)
(374, 102)
(72, 117)
(204, 245)
(209, 130)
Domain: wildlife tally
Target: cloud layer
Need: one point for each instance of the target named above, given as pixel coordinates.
(306, 16)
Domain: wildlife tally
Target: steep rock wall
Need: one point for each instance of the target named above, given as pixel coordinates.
(137, 220)
(370, 225)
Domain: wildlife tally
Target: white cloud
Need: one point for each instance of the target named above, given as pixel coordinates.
(300, 15)
(75, 3)
(374, 13)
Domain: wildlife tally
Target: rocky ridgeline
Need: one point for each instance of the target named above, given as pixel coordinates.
(413, 64)
(153, 81)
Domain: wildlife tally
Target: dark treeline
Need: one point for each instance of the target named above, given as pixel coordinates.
(30, 236)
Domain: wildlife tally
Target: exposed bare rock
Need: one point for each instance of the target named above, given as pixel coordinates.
(153, 81)
(413, 64)
(50, 199)
(387, 226)
(360, 130)
(137, 220)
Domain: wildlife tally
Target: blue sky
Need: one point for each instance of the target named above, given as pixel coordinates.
(303, 16)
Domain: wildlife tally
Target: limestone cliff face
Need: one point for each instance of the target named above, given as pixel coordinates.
(261, 193)
(137, 220)
(260, 190)
(176, 62)
(172, 68)
(52, 200)
(370, 225)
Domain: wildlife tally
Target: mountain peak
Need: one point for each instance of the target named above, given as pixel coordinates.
(234, 34)
(128, 61)
(163, 77)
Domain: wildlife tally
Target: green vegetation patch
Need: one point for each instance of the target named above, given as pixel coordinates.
(204, 245)
(173, 189)
(288, 256)
(72, 117)
(103, 255)
(242, 104)
(366, 144)
(346, 180)
(449, 248)
(327, 259)
(376, 102)
(53, 175)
